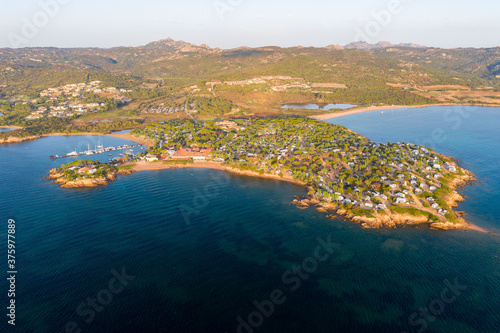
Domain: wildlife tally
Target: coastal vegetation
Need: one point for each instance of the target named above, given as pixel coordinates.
(83, 173)
(175, 80)
(210, 106)
(345, 172)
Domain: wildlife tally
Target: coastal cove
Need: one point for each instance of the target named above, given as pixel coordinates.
(405, 184)
(392, 220)
(233, 249)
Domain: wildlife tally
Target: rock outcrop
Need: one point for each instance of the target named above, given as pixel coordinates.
(79, 182)
(385, 218)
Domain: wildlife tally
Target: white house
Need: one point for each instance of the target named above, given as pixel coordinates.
(151, 158)
(400, 200)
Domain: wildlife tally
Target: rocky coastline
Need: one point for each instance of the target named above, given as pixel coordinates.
(390, 219)
(62, 180)
(372, 220)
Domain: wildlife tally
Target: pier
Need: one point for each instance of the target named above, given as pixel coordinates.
(98, 150)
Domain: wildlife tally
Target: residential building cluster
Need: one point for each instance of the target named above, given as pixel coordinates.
(65, 101)
(343, 167)
(194, 153)
(164, 109)
(77, 90)
(65, 109)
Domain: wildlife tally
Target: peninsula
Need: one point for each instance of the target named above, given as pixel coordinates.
(345, 173)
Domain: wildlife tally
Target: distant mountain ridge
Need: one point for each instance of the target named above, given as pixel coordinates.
(361, 45)
(172, 45)
(360, 65)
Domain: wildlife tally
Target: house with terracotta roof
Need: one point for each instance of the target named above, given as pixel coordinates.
(90, 169)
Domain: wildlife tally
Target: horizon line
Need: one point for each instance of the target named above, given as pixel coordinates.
(400, 44)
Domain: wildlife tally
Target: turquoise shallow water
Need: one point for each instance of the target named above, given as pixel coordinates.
(237, 242)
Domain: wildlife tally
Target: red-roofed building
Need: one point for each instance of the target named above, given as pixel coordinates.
(87, 169)
(194, 153)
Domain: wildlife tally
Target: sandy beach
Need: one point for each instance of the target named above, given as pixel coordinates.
(385, 107)
(142, 165)
(370, 108)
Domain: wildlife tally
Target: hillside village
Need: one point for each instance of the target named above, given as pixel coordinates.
(72, 100)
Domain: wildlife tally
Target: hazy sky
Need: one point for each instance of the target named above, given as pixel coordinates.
(233, 23)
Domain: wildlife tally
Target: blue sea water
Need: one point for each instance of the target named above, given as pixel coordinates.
(207, 251)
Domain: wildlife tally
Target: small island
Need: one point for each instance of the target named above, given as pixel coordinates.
(346, 174)
(87, 173)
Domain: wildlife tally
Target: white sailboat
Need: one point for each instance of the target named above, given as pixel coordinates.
(99, 148)
(88, 152)
(73, 153)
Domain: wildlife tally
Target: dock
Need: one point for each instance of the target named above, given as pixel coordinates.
(98, 150)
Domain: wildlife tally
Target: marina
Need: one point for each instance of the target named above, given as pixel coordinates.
(99, 149)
